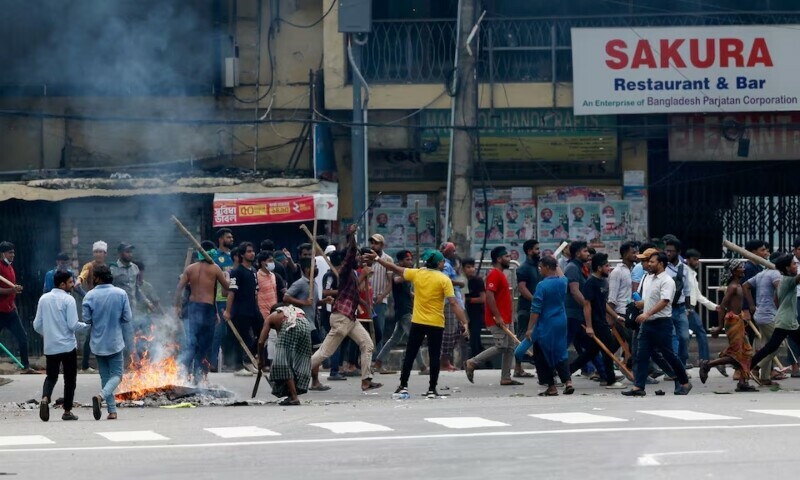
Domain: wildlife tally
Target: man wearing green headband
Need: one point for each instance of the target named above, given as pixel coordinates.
(432, 289)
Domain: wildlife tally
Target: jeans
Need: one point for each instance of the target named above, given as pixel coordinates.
(198, 329)
(379, 321)
(245, 325)
(417, 334)
(502, 346)
(696, 325)
(220, 332)
(401, 328)
(680, 336)
(11, 321)
(87, 350)
(110, 367)
(69, 361)
(603, 333)
(655, 335)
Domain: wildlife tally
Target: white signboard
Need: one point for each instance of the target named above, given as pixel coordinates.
(685, 69)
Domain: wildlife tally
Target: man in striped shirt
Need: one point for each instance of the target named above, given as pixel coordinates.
(343, 321)
(381, 290)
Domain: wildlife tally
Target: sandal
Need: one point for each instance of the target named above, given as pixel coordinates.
(745, 388)
(511, 383)
(288, 402)
(524, 375)
(704, 368)
(320, 388)
(548, 393)
(111, 416)
(372, 386)
(569, 390)
(470, 371)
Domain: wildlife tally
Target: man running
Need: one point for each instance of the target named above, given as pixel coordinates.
(202, 278)
(739, 352)
(497, 317)
(432, 288)
(343, 322)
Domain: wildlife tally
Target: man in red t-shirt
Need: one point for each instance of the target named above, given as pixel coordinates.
(497, 313)
(9, 319)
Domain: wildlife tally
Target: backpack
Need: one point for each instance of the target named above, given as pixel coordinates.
(678, 299)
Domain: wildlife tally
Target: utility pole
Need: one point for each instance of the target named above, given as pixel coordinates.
(464, 142)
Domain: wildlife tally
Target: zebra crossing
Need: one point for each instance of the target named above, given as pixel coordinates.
(428, 425)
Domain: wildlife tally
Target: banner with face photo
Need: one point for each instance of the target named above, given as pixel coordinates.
(615, 220)
(553, 221)
(520, 221)
(427, 228)
(584, 221)
(391, 223)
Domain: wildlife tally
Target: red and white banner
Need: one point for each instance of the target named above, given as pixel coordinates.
(685, 69)
(249, 209)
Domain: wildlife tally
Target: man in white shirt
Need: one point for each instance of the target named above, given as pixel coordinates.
(655, 331)
(57, 321)
(619, 281)
(381, 290)
(695, 323)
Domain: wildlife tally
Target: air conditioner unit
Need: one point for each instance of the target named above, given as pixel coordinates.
(231, 72)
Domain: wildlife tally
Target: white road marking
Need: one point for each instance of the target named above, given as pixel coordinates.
(573, 418)
(782, 413)
(242, 432)
(651, 460)
(133, 436)
(466, 422)
(352, 427)
(399, 438)
(25, 440)
(688, 415)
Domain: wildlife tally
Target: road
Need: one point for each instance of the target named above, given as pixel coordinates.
(478, 431)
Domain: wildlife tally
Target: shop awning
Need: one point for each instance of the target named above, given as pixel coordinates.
(254, 209)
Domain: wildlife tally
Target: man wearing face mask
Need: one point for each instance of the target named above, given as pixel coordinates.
(9, 318)
(271, 288)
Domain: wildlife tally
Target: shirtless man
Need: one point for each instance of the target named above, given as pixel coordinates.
(202, 278)
(739, 352)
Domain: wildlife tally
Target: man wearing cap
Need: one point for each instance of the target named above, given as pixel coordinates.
(381, 290)
(9, 318)
(125, 274)
(62, 265)
(83, 285)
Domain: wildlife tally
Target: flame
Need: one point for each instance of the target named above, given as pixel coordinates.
(148, 374)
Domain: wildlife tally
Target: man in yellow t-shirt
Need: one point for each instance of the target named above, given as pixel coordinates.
(432, 289)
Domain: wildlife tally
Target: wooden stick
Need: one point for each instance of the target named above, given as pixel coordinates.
(188, 261)
(311, 281)
(622, 343)
(560, 249)
(191, 238)
(510, 334)
(416, 229)
(750, 256)
(753, 327)
(622, 367)
(241, 343)
(318, 250)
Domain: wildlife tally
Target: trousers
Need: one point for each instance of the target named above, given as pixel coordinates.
(342, 327)
(416, 336)
(69, 362)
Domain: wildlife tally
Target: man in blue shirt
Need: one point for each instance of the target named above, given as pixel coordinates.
(57, 321)
(106, 308)
(62, 265)
(682, 301)
(528, 277)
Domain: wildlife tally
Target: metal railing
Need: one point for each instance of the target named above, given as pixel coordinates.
(531, 49)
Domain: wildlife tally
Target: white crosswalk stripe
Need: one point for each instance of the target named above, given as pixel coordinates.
(13, 441)
(133, 436)
(242, 432)
(782, 413)
(466, 422)
(688, 415)
(574, 418)
(352, 427)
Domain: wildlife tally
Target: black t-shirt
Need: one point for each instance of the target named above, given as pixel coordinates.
(475, 310)
(595, 291)
(528, 272)
(243, 282)
(403, 301)
(280, 287)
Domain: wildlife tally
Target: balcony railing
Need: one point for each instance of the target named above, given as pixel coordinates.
(513, 49)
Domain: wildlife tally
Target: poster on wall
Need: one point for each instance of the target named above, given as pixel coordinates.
(506, 217)
(553, 221)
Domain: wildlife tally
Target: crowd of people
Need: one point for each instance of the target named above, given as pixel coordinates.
(252, 311)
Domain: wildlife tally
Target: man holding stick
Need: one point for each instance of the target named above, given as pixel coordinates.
(9, 318)
(498, 315)
(595, 294)
(343, 322)
(242, 307)
(202, 278)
